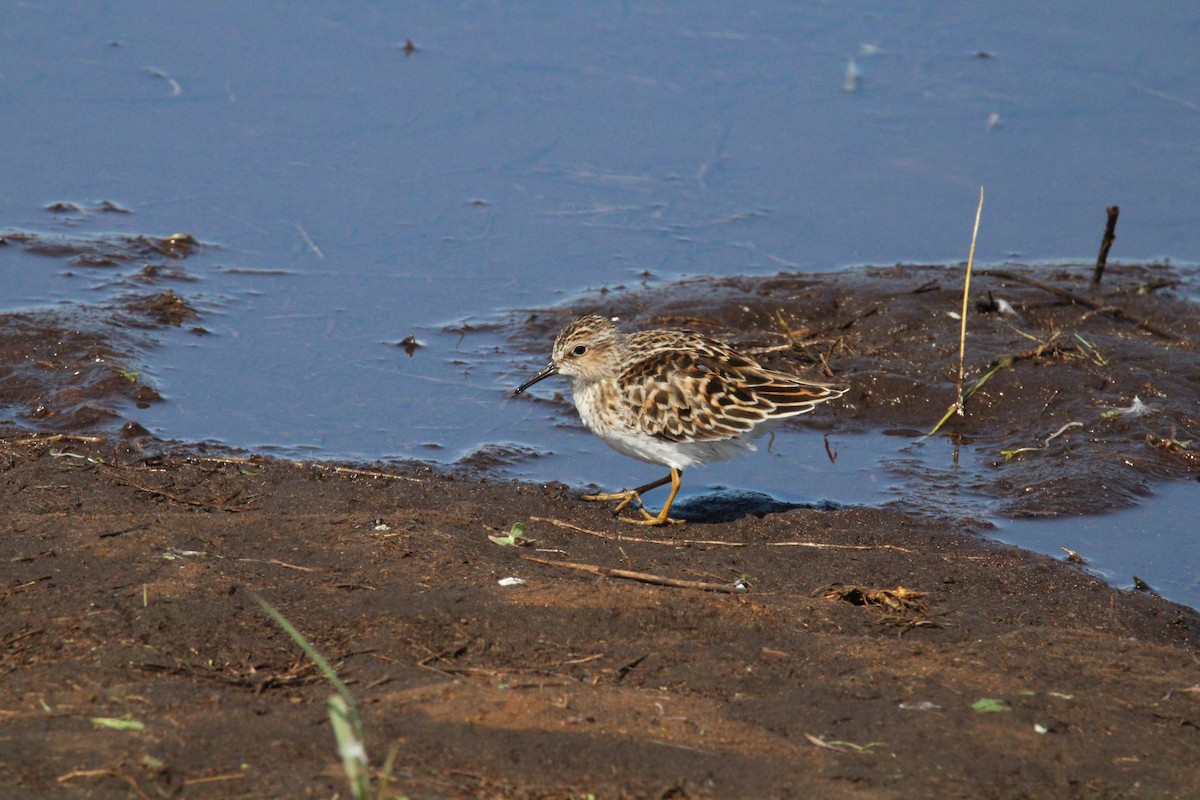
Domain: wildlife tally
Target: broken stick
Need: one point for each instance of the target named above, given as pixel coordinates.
(1110, 233)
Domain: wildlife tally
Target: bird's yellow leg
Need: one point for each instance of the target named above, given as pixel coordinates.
(627, 496)
(661, 518)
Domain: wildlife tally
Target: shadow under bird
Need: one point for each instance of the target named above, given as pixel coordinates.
(672, 397)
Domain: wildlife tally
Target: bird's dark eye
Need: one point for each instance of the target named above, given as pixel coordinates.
(580, 349)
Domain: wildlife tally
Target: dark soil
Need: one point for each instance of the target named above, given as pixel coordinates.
(854, 653)
(126, 592)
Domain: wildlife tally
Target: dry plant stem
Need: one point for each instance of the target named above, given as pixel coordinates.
(373, 474)
(962, 337)
(90, 773)
(827, 546)
(57, 437)
(1115, 313)
(642, 577)
(825, 370)
(229, 776)
(616, 537)
(1110, 233)
(277, 563)
(957, 406)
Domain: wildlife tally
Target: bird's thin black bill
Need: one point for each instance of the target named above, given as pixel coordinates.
(550, 369)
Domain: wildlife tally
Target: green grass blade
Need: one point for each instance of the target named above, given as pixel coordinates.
(317, 658)
(350, 747)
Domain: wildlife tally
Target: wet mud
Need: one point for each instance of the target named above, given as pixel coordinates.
(75, 368)
(787, 652)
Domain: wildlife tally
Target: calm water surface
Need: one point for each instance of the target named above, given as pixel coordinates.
(354, 194)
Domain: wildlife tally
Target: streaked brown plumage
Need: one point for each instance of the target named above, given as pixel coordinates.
(672, 397)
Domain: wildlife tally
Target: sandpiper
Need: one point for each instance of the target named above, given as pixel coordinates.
(672, 397)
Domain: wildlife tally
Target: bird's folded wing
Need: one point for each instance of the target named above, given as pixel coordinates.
(682, 396)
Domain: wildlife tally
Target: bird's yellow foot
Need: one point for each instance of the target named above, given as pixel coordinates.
(626, 497)
(604, 496)
(653, 520)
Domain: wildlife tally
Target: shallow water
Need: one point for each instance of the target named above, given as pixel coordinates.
(1156, 541)
(354, 194)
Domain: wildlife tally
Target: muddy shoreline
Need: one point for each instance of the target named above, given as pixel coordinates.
(872, 653)
(840, 653)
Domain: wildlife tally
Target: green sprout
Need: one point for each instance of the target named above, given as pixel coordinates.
(514, 538)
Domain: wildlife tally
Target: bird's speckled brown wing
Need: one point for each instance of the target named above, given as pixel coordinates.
(697, 389)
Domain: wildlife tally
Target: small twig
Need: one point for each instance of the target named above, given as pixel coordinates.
(644, 577)
(629, 666)
(372, 474)
(617, 537)
(827, 546)
(825, 370)
(1115, 313)
(83, 773)
(1053, 395)
(276, 562)
(580, 660)
(794, 342)
(122, 531)
(57, 437)
(108, 773)
(9, 642)
(230, 776)
(1110, 233)
(9, 591)
(713, 542)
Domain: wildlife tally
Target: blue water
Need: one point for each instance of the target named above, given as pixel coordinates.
(353, 194)
(1155, 541)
